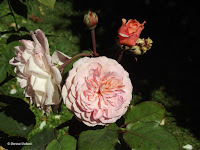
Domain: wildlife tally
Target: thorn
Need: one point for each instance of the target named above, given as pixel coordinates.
(136, 59)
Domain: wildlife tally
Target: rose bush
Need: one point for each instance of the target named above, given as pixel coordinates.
(97, 90)
(37, 72)
(129, 32)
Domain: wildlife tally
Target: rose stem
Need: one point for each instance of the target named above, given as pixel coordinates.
(13, 16)
(73, 58)
(121, 54)
(94, 42)
(124, 124)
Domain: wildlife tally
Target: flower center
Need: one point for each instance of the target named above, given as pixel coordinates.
(104, 87)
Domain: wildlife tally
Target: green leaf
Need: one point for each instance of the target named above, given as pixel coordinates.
(146, 112)
(66, 142)
(151, 136)
(16, 119)
(18, 6)
(104, 139)
(53, 145)
(9, 51)
(41, 139)
(113, 126)
(3, 70)
(5, 55)
(49, 3)
(86, 51)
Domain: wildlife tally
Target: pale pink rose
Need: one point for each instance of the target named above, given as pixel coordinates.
(37, 71)
(97, 90)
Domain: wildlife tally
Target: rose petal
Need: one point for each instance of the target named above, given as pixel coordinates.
(42, 40)
(97, 114)
(56, 74)
(26, 55)
(28, 44)
(34, 68)
(39, 84)
(59, 58)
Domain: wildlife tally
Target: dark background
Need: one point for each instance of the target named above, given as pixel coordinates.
(173, 61)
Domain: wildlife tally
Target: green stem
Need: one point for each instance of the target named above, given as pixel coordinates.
(94, 43)
(121, 54)
(5, 15)
(72, 59)
(13, 15)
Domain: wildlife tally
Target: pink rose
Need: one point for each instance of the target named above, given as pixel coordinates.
(97, 90)
(37, 72)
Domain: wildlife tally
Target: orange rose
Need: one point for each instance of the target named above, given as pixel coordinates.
(129, 32)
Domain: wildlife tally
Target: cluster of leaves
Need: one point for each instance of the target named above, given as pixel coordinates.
(141, 129)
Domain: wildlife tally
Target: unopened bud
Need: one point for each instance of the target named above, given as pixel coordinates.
(91, 20)
(142, 45)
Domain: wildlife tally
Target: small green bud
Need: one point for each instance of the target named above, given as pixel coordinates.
(90, 20)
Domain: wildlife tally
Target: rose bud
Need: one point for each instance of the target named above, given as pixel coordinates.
(91, 20)
(142, 45)
(97, 90)
(36, 71)
(129, 32)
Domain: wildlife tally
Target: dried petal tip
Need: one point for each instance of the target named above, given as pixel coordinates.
(90, 19)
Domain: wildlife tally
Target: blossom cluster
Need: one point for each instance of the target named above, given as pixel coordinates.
(97, 90)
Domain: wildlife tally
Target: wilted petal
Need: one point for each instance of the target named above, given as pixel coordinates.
(50, 91)
(28, 44)
(57, 75)
(22, 82)
(59, 58)
(19, 49)
(42, 40)
(39, 98)
(56, 100)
